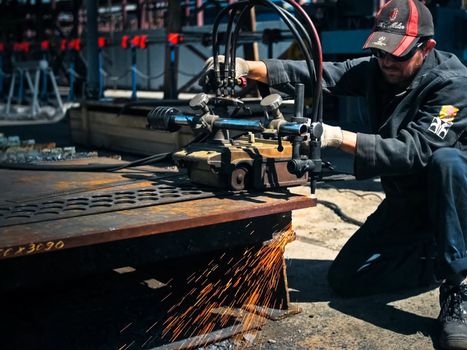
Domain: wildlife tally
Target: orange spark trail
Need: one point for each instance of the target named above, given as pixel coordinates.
(250, 280)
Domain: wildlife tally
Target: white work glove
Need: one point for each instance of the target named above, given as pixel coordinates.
(332, 136)
(241, 69)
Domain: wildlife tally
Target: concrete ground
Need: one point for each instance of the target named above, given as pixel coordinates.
(327, 321)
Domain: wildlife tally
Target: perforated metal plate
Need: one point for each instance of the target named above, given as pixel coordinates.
(100, 202)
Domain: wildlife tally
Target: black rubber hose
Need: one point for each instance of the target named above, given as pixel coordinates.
(215, 32)
(228, 63)
(336, 209)
(85, 168)
(317, 91)
(241, 17)
(293, 29)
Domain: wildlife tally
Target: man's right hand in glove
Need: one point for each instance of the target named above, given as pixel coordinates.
(255, 70)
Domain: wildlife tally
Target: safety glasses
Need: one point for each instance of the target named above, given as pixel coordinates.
(383, 54)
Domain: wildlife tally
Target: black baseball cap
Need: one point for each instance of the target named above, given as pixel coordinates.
(399, 25)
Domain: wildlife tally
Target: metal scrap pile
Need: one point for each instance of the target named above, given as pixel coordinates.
(15, 150)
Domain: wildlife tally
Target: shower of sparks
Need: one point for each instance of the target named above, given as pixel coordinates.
(251, 280)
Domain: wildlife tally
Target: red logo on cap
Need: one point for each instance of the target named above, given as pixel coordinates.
(393, 14)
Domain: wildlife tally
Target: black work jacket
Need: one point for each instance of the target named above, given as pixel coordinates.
(430, 114)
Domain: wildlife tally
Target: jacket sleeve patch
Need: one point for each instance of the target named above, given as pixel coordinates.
(440, 125)
(448, 113)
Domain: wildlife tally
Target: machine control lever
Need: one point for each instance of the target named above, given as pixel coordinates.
(200, 103)
(271, 104)
(316, 130)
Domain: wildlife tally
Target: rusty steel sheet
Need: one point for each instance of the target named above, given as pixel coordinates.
(114, 198)
(125, 219)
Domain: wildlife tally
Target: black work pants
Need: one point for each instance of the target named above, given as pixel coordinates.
(406, 242)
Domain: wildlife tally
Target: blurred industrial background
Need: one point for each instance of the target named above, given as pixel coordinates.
(102, 50)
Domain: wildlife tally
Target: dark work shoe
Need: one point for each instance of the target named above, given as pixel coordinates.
(453, 316)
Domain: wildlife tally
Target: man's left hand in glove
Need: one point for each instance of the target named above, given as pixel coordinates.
(334, 136)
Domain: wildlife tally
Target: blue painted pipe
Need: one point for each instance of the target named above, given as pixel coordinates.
(133, 73)
(1, 77)
(44, 86)
(71, 95)
(101, 73)
(21, 87)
